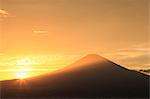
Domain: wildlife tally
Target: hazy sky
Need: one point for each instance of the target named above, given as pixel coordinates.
(117, 29)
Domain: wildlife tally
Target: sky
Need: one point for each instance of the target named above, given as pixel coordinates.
(37, 36)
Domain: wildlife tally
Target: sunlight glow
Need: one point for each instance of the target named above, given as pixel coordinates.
(22, 75)
(25, 66)
(24, 62)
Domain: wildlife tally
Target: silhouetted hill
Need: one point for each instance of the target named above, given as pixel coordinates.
(90, 77)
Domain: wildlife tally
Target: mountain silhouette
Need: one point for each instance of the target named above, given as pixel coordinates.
(90, 77)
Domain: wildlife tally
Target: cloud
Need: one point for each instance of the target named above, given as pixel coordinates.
(40, 31)
(137, 56)
(137, 48)
(134, 57)
(141, 60)
(3, 14)
(133, 51)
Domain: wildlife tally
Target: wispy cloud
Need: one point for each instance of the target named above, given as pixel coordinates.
(137, 56)
(3, 14)
(24, 70)
(141, 60)
(135, 51)
(40, 31)
(137, 48)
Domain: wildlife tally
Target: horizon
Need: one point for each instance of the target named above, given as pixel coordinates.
(37, 37)
(90, 58)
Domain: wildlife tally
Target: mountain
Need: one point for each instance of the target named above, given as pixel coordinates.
(90, 77)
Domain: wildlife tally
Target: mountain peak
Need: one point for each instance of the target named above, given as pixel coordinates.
(94, 56)
(89, 59)
(95, 61)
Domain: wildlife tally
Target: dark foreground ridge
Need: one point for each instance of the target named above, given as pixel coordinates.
(90, 77)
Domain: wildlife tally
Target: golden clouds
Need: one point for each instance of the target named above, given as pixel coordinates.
(40, 31)
(3, 14)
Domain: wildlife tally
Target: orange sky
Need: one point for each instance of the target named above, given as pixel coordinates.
(43, 30)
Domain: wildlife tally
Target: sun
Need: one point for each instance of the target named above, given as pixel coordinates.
(24, 67)
(22, 75)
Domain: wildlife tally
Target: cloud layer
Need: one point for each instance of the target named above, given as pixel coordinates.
(134, 57)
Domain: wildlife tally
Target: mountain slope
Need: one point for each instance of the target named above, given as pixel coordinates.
(91, 76)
